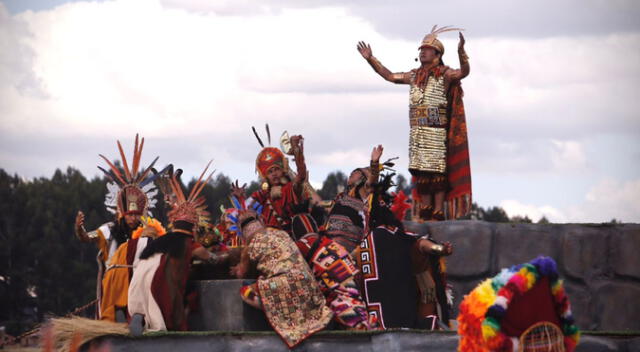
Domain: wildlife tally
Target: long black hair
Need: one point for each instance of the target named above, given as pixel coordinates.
(381, 214)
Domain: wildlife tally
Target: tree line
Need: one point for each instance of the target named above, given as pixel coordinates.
(45, 270)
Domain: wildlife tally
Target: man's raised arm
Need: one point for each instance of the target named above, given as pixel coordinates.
(400, 78)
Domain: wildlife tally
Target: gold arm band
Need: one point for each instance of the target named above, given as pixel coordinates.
(437, 249)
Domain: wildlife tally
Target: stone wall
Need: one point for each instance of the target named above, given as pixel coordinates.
(599, 263)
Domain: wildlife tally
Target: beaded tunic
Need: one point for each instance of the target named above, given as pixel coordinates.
(428, 122)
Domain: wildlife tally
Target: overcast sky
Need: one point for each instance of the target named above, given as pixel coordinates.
(552, 101)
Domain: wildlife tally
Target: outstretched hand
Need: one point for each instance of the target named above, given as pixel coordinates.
(297, 144)
(238, 271)
(376, 153)
(365, 50)
(461, 42)
(447, 248)
(238, 191)
(79, 220)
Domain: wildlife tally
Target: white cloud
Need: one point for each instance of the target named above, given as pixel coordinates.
(568, 155)
(608, 199)
(193, 82)
(535, 213)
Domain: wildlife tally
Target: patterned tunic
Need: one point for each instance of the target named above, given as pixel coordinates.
(292, 300)
(428, 121)
(335, 273)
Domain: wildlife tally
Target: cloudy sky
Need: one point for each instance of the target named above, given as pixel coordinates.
(552, 104)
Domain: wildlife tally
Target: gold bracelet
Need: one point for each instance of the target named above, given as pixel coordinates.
(437, 249)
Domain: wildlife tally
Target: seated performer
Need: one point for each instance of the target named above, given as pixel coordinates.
(281, 190)
(334, 271)
(130, 196)
(347, 218)
(523, 308)
(286, 289)
(388, 255)
(158, 289)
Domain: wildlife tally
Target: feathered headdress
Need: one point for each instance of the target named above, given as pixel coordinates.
(269, 156)
(133, 191)
(365, 172)
(484, 316)
(237, 207)
(192, 208)
(431, 39)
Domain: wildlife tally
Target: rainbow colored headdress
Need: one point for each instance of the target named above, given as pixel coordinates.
(132, 192)
(524, 295)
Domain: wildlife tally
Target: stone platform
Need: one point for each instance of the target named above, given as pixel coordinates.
(600, 265)
(390, 340)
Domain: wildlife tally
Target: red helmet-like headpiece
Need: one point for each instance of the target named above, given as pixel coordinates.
(269, 156)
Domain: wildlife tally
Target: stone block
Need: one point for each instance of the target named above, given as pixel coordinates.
(221, 308)
(618, 306)
(585, 252)
(626, 254)
(633, 345)
(520, 243)
(409, 341)
(472, 246)
(582, 305)
(596, 344)
(461, 288)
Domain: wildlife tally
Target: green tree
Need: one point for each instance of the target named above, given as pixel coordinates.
(403, 185)
(332, 185)
(543, 220)
(521, 219)
(496, 214)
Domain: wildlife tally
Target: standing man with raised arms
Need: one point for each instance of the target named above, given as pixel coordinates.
(438, 148)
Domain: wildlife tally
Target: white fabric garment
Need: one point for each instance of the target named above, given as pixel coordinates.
(141, 300)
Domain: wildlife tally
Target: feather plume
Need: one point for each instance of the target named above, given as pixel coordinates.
(258, 137)
(136, 158)
(114, 169)
(197, 184)
(140, 151)
(125, 165)
(266, 125)
(177, 188)
(155, 175)
(400, 205)
(202, 185)
(444, 29)
(235, 202)
(109, 175)
(148, 169)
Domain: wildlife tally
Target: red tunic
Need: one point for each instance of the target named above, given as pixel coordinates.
(278, 212)
(169, 286)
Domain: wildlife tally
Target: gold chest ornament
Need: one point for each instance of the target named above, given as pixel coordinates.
(428, 122)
